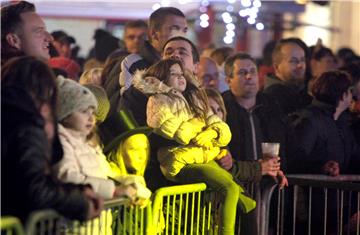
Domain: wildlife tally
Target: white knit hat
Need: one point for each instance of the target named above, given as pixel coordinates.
(73, 97)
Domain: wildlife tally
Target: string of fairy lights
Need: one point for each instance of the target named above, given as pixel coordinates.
(249, 10)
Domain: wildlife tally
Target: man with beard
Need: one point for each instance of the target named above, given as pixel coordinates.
(286, 86)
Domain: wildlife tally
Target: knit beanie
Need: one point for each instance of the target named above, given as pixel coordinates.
(102, 100)
(73, 97)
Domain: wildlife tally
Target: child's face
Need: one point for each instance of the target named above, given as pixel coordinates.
(215, 107)
(82, 121)
(177, 79)
(135, 153)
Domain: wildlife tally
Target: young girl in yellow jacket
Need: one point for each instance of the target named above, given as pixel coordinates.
(178, 110)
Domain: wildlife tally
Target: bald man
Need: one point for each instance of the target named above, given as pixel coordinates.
(208, 73)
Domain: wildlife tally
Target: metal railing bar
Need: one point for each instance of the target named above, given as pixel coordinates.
(326, 181)
(325, 209)
(309, 214)
(296, 191)
(341, 210)
(282, 192)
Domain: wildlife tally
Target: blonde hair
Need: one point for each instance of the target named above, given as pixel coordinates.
(215, 95)
(117, 158)
(91, 76)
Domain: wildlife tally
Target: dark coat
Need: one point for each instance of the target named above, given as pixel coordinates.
(27, 183)
(250, 128)
(314, 138)
(133, 99)
(289, 96)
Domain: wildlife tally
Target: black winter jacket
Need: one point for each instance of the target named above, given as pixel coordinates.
(133, 99)
(314, 138)
(250, 128)
(26, 159)
(289, 96)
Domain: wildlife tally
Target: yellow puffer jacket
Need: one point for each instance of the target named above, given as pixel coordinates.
(168, 114)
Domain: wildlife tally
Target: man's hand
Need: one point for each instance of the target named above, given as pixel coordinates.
(204, 138)
(282, 180)
(226, 161)
(96, 204)
(270, 166)
(331, 168)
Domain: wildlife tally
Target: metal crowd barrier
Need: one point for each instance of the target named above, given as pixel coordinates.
(185, 209)
(116, 218)
(182, 209)
(11, 226)
(312, 204)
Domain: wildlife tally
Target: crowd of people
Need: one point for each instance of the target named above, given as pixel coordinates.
(155, 112)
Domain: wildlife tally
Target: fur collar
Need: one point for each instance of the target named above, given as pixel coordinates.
(149, 85)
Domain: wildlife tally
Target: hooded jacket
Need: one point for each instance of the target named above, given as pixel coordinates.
(169, 114)
(27, 181)
(83, 164)
(314, 138)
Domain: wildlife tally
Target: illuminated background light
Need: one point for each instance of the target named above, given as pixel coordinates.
(204, 24)
(156, 6)
(230, 26)
(205, 3)
(204, 17)
(245, 3)
(225, 15)
(257, 3)
(251, 20)
(228, 20)
(230, 33)
(230, 8)
(228, 40)
(242, 13)
(203, 9)
(259, 26)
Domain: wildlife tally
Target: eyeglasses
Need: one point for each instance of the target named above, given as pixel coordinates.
(244, 72)
(295, 61)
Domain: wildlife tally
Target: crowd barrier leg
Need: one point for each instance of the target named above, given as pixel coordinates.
(11, 226)
(185, 209)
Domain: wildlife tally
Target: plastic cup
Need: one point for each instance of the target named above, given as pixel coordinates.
(270, 149)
